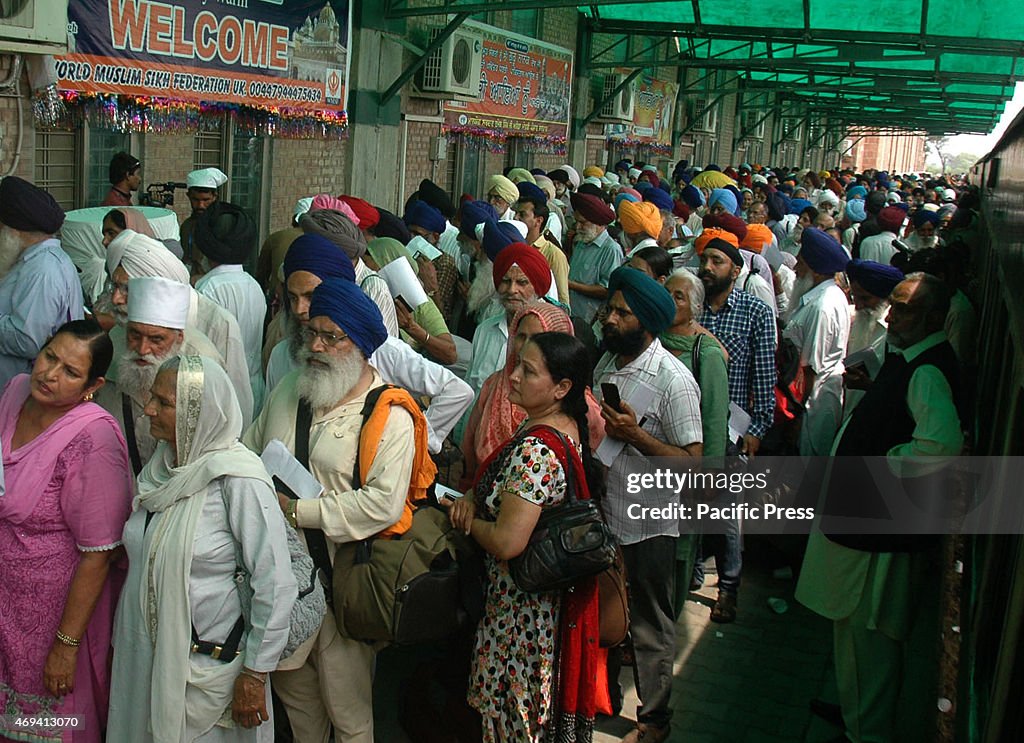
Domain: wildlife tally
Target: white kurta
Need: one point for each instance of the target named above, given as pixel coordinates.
(398, 364)
(820, 328)
(221, 327)
(240, 516)
(240, 294)
(878, 248)
(376, 288)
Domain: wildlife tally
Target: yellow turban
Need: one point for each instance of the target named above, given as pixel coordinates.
(640, 216)
(592, 172)
(519, 175)
(502, 186)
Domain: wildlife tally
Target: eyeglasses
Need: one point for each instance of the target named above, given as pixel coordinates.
(328, 339)
(493, 197)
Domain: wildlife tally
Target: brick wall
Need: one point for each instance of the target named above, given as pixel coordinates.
(303, 168)
(165, 158)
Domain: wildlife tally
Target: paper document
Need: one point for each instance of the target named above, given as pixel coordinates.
(441, 491)
(403, 283)
(640, 399)
(866, 357)
(773, 256)
(281, 464)
(739, 423)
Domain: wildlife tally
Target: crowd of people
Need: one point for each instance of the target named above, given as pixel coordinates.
(144, 546)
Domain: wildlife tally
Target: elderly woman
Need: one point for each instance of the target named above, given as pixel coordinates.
(525, 641)
(68, 494)
(424, 327)
(208, 560)
(495, 418)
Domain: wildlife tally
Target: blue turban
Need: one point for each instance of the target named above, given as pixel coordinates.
(692, 197)
(538, 171)
(723, 197)
(856, 192)
(822, 252)
(797, 206)
(902, 205)
(876, 278)
(422, 214)
(785, 188)
(350, 309)
(659, 198)
(649, 300)
(474, 213)
(739, 199)
(922, 216)
(777, 206)
(642, 186)
(620, 197)
(855, 210)
(665, 186)
(319, 256)
(498, 235)
(529, 190)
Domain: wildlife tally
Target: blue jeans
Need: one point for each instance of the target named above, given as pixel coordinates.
(728, 553)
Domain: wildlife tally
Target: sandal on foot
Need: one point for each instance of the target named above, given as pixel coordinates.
(724, 610)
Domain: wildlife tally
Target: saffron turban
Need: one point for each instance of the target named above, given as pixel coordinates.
(24, 206)
(822, 252)
(498, 235)
(723, 197)
(142, 256)
(714, 233)
(891, 219)
(593, 209)
(876, 278)
(758, 236)
(365, 211)
(638, 217)
(724, 246)
(350, 309)
(521, 175)
(224, 233)
(649, 300)
(326, 201)
(318, 256)
(474, 213)
(502, 186)
(855, 210)
(337, 228)
(530, 261)
(592, 171)
(425, 216)
(659, 198)
(727, 222)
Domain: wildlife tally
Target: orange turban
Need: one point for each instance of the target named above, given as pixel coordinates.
(640, 216)
(758, 235)
(710, 234)
(592, 172)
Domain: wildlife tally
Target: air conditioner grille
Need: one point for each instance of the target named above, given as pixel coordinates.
(432, 67)
(462, 54)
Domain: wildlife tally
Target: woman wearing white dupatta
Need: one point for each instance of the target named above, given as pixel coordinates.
(205, 506)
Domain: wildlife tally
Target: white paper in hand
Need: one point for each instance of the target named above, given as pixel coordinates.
(403, 283)
(640, 399)
(739, 422)
(281, 464)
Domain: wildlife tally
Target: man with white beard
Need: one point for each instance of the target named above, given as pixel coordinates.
(329, 684)
(924, 236)
(131, 255)
(310, 260)
(40, 290)
(595, 254)
(155, 331)
(870, 286)
(819, 328)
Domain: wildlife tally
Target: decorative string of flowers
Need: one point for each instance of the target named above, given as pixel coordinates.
(495, 140)
(131, 114)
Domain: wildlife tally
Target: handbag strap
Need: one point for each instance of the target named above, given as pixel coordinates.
(316, 541)
(129, 428)
(569, 462)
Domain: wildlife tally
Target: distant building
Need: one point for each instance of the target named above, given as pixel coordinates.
(316, 47)
(898, 153)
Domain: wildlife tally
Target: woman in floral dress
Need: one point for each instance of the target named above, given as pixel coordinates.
(527, 640)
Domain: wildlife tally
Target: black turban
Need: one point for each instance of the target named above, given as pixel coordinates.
(224, 233)
(26, 207)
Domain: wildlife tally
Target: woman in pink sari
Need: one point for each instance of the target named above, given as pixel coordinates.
(494, 419)
(68, 494)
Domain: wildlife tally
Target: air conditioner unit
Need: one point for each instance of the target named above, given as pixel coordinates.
(454, 69)
(620, 106)
(705, 116)
(752, 124)
(34, 26)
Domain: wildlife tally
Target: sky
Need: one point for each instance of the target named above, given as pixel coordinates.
(981, 144)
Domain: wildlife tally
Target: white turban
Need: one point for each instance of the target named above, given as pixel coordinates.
(153, 300)
(302, 206)
(634, 173)
(825, 196)
(142, 256)
(211, 178)
(574, 177)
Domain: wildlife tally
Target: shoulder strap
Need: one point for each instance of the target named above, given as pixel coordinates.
(569, 457)
(315, 538)
(695, 358)
(129, 429)
(371, 402)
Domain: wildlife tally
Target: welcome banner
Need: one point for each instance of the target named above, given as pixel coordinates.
(525, 86)
(268, 53)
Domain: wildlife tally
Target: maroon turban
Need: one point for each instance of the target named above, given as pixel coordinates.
(727, 222)
(530, 260)
(592, 208)
(891, 219)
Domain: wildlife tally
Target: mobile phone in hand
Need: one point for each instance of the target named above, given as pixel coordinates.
(610, 392)
(405, 304)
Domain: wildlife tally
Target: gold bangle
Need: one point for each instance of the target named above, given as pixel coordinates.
(71, 642)
(290, 513)
(426, 337)
(261, 677)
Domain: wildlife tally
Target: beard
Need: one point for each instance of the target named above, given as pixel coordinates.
(589, 233)
(10, 249)
(629, 343)
(801, 286)
(323, 386)
(713, 285)
(136, 381)
(482, 290)
(293, 334)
